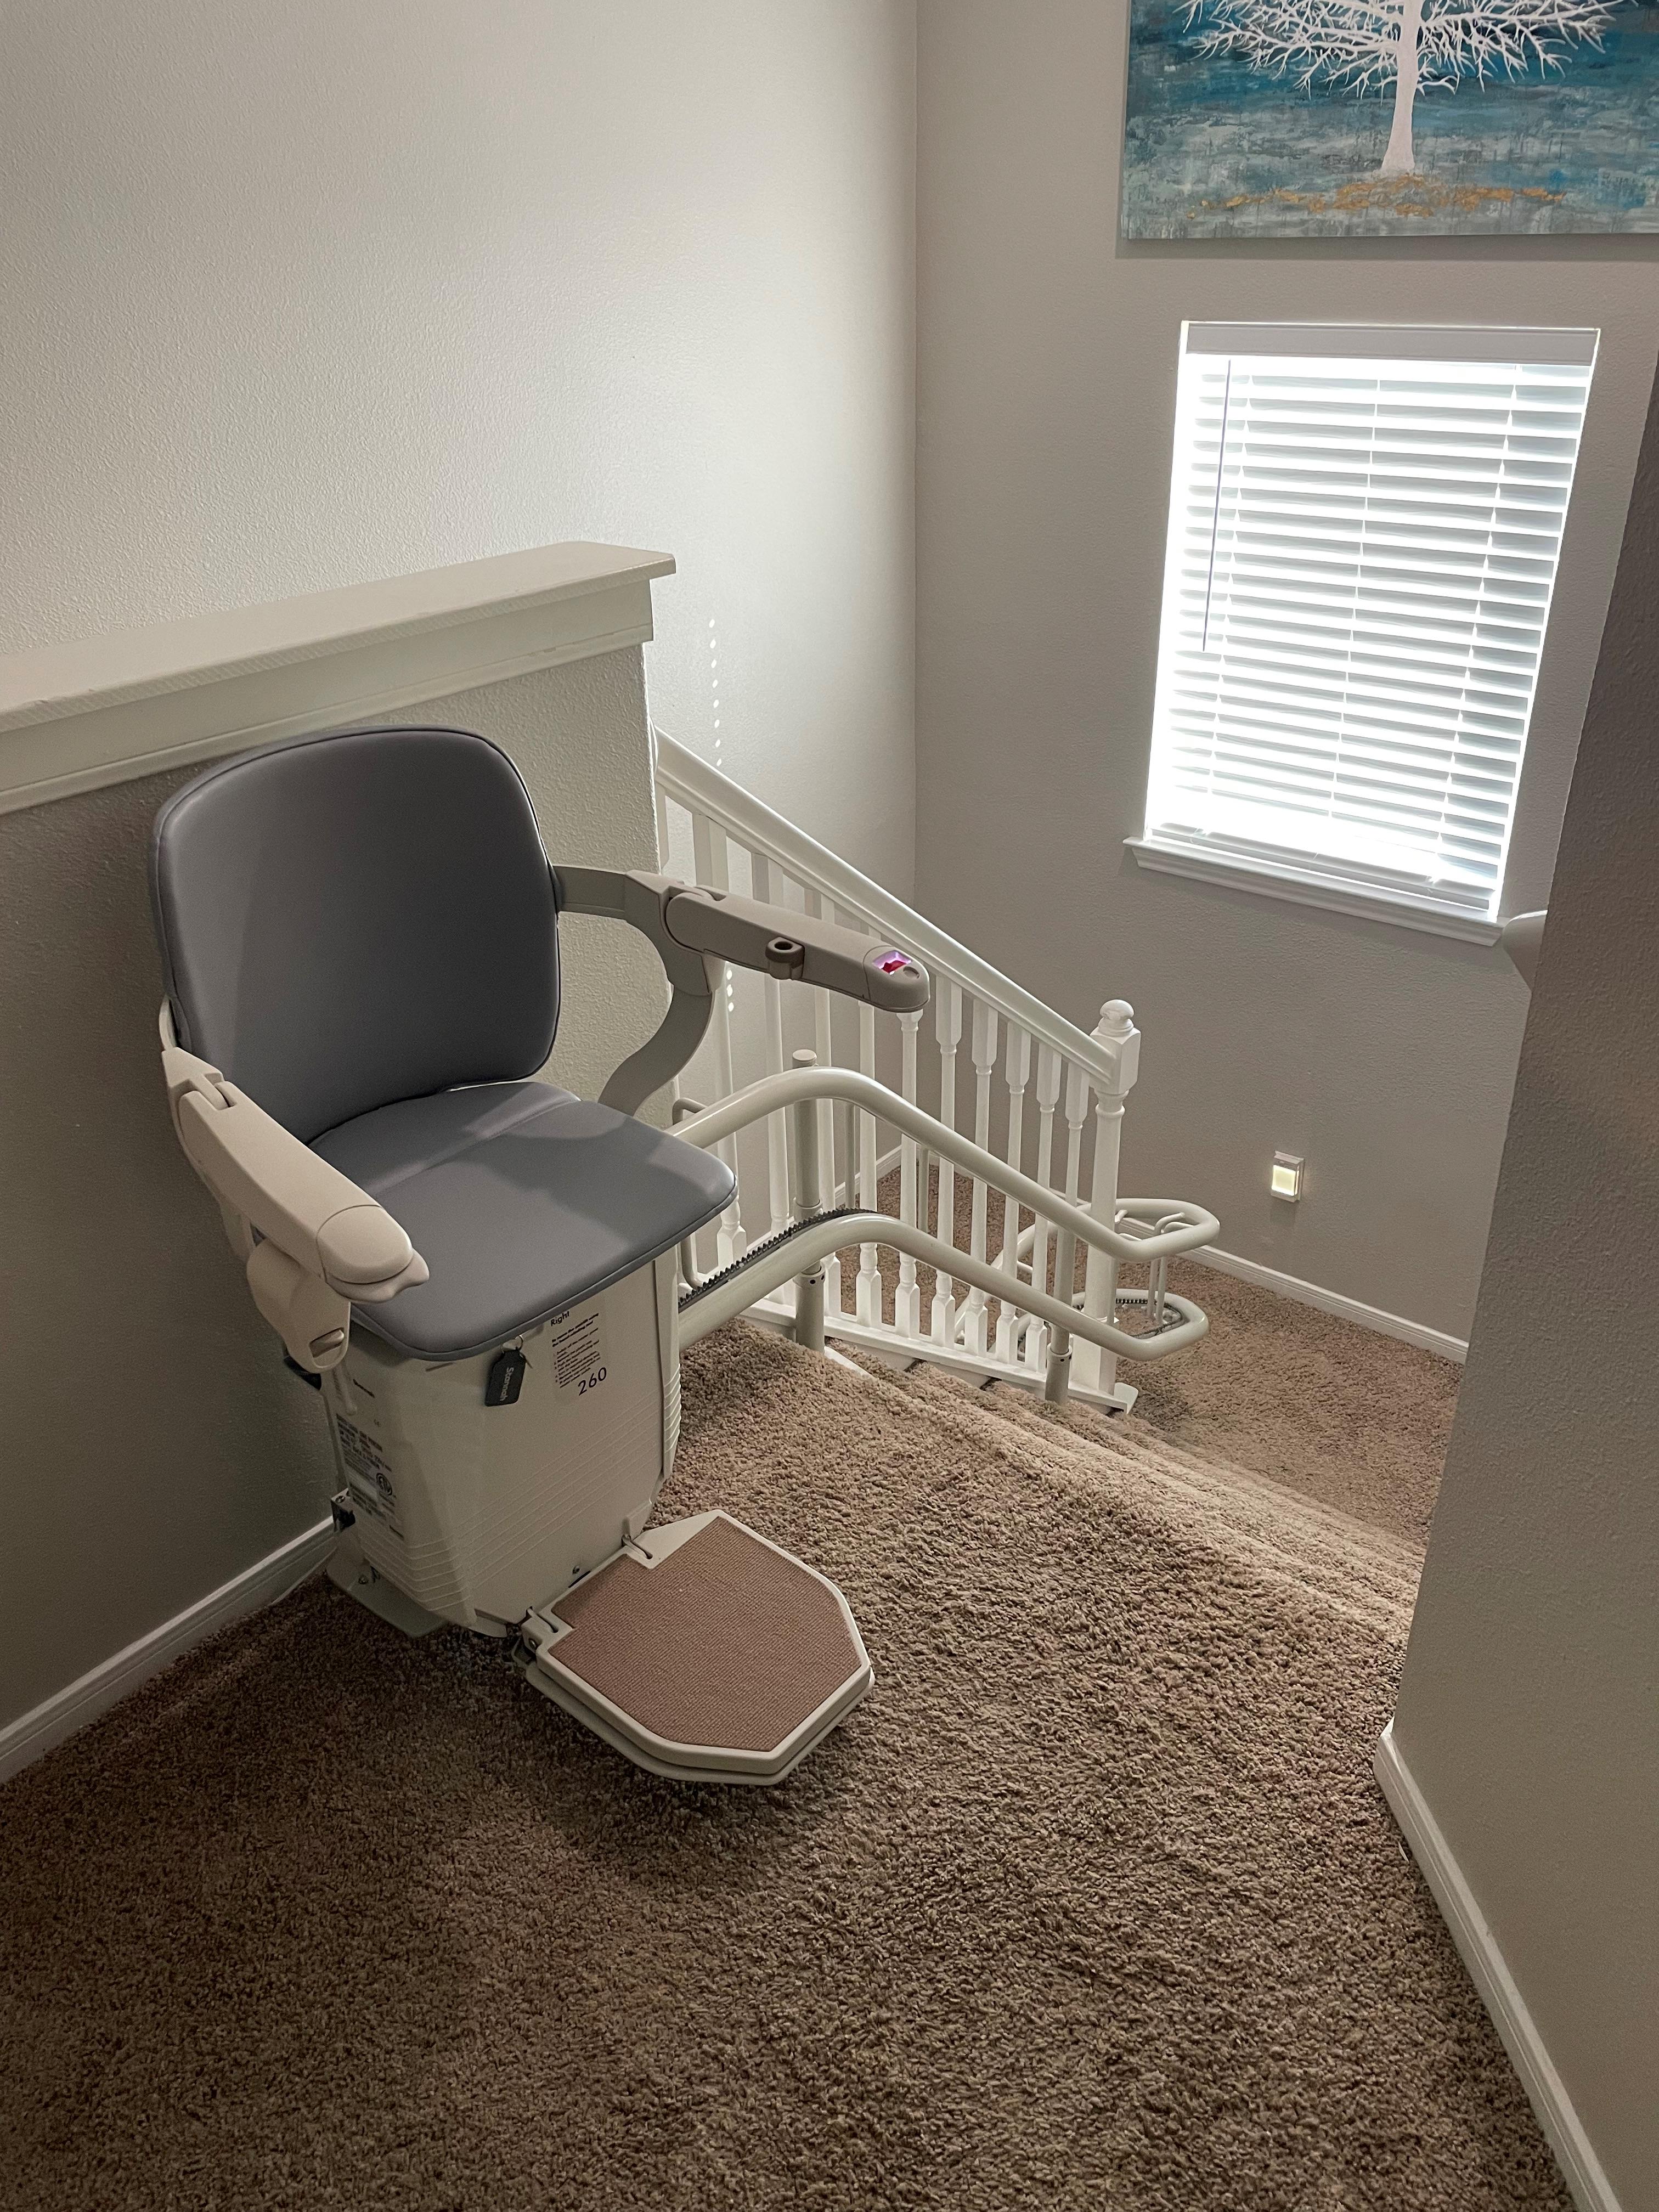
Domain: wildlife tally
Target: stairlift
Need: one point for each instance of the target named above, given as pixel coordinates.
(359, 933)
(360, 936)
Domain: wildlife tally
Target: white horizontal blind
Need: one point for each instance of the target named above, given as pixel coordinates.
(1363, 532)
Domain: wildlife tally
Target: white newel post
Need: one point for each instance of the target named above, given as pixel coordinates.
(1093, 1368)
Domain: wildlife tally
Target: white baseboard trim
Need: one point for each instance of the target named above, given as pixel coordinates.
(1591, 2189)
(1332, 1301)
(34, 1733)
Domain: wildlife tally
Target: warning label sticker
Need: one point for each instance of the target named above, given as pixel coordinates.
(370, 1478)
(577, 1343)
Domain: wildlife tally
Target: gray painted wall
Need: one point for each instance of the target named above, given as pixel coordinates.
(1046, 388)
(1528, 1712)
(295, 296)
(154, 1445)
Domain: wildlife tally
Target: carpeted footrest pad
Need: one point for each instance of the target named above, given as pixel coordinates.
(705, 1652)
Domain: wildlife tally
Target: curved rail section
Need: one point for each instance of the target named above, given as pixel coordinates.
(1181, 1227)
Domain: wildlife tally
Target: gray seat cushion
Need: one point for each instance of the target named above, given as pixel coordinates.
(521, 1200)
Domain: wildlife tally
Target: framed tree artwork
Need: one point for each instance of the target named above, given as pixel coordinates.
(1264, 119)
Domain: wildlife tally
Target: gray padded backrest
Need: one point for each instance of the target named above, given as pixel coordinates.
(353, 919)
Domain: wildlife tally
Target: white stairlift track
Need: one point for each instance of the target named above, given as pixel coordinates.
(1185, 1226)
(1053, 1094)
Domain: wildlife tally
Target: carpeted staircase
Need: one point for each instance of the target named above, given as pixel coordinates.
(1094, 1902)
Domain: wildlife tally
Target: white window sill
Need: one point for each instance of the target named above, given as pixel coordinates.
(1310, 890)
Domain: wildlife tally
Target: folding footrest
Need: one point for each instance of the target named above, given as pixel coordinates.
(701, 1652)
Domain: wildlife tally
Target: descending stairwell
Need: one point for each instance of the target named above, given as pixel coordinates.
(1044, 1101)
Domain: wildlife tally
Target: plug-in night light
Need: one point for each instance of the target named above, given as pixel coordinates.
(1285, 1179)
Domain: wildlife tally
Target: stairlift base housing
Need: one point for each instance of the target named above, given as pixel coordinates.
(504, 1519)
(478, 1512)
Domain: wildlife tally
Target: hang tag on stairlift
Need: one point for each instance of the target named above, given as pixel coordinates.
(506, 1377)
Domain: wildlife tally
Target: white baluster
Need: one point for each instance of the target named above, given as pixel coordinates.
(1048, 1095)
(777, 1143)
(849, 1152)
(809, 1285)
(869, 1289)
(1077, 1113)
(708, 849)
(824, 1043)
(1017, 1072)
(907, 1307)
(1092, 1367)
(983, 1046)
(947, 1017)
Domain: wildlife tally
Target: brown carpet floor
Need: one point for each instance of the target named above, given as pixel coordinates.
(1357, 1420)
(1093, 1903)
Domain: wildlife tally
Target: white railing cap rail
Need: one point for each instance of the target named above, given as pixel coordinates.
(695, 783)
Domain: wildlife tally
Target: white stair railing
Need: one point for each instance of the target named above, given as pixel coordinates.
(1019, 1053)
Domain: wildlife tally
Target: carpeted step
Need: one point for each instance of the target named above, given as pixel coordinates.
(1357, 1419)
(1277, 1532)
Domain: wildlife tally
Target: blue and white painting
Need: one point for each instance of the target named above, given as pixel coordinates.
(1276, 118)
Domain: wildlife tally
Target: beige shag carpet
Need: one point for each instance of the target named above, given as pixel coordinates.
(1094, 1903)
(1357, 1420)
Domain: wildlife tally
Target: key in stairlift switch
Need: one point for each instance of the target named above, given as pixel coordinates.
(506, 1377)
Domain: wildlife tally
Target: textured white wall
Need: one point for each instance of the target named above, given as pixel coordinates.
(1046, 388)
(297, 296)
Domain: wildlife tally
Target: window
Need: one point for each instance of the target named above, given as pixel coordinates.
(1363, 530)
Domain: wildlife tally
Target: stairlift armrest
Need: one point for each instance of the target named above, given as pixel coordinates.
(682, 920)
(696, 932)
(324, 1223)
(630, 895)
(797, 948)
